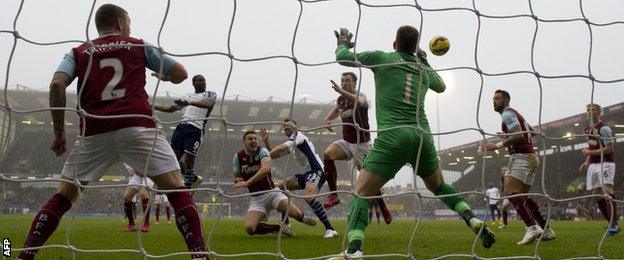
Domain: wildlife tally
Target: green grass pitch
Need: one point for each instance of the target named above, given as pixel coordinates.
(434, 239)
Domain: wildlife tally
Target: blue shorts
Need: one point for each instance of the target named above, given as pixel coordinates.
(312, 176)
(186, 138)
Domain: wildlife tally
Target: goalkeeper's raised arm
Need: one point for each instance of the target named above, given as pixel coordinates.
(368, 58)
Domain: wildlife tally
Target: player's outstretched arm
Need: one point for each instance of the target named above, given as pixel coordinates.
(361, 101)
(57, 99)
(204, 103)
(264, 134)
(176, 74)
(512, 139)
(166, 109)
(346, 58)
(278, 151)
(436, 83)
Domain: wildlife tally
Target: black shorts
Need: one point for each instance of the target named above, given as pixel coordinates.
(312, 176)
(186, 138)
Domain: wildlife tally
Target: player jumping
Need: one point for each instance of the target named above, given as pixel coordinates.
(188, 136)
(400, 100)
(113, 85)
(347, 148)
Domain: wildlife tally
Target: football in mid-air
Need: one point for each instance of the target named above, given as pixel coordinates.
(439, 45)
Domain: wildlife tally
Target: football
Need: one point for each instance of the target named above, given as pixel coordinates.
(439, 45)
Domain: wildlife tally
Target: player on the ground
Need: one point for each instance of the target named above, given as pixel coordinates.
(161, 200)
(493, 198)
(523, 163)
(347, 148)
(399, 100)
(506, 204)
(312, 180)
(188, 136)
(114, 85)
(600, 173)
(252, 169)
(134, 187)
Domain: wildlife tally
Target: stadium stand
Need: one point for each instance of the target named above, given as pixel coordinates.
(563, 158)
(27, 155)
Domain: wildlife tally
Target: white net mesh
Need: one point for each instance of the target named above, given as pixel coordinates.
(419, 10)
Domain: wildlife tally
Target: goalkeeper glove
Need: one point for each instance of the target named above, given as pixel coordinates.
(180, 103)
(344, 38)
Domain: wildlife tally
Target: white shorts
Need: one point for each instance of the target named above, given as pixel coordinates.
(138, 180)
(131, 145)
(161, 199)
(267, 202)
(350, 150)
(597, 176)
(523, 166)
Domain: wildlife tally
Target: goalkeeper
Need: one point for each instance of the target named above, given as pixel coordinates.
(188, 135)
(400, 100)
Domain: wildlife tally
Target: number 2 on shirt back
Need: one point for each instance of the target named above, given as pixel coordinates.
(109, 92)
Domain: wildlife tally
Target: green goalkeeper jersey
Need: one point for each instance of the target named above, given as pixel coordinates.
(399, 89)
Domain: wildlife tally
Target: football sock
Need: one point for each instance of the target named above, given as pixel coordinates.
(168, 212)
(331, 174)
(455, 202)
(537, 215)
(129, 213)
(44, 224)
(320, 213)
(187, 221)
(523, 210)
(505, 216)
(605, 208)
(287, 222)
(146, 211)
(357, 219)
(157, 213)
(354, 246)
(616, 216)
